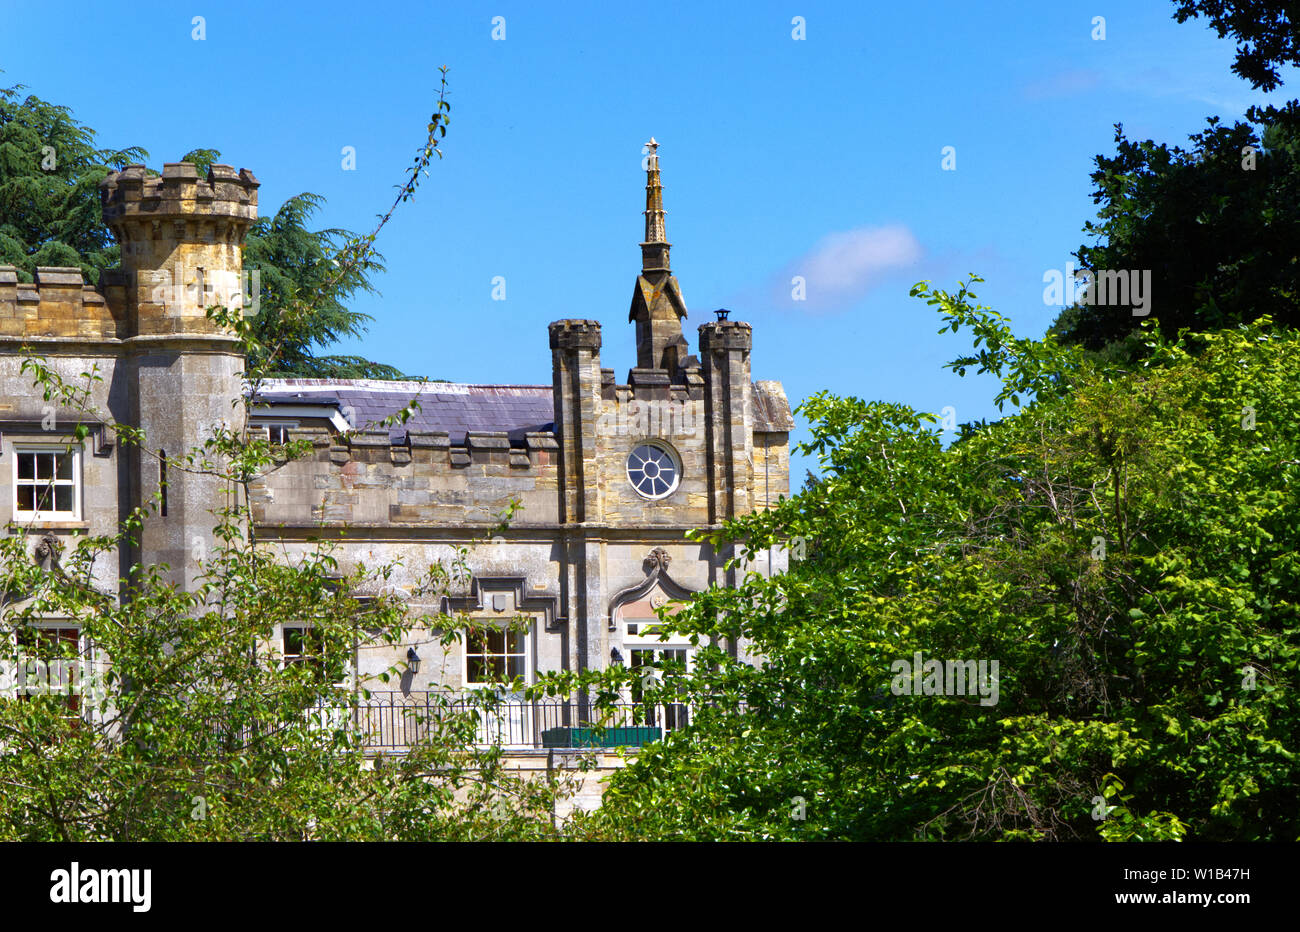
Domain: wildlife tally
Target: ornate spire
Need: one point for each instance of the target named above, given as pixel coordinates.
(657, 304)
(654, 250)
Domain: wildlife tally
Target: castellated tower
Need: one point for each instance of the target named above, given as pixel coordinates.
(182, 251)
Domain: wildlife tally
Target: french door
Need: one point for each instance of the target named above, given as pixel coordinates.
(649, 666)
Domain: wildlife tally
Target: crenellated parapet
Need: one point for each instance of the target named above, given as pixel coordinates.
(575, 334)
(723, 335)
(134, 196)
(182, 241)
(59, 304)
(369, 478)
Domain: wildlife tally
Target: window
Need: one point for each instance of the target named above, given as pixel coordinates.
(653, 470)
(51, 643)
(495, 654)
(47, 483)
(649, 666)
(162, 480)
(653, 658)
(278, 431)
(304, 646)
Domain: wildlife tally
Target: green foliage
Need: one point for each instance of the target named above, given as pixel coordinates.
(1215, 225)
(50, 215)
(50, 170)
(1265, 31)
(1125, 546)
(197, 731)
(295, 261)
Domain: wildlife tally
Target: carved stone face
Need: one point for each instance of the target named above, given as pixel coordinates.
(657, 559)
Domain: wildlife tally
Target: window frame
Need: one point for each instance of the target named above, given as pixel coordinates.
(526, 655)
(265, 426)
(76, 482)
(673, 457)
(28, 638)
(348, 668)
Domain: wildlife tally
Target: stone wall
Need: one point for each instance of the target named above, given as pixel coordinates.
(367, 480)
(58, 304)
(26, 419)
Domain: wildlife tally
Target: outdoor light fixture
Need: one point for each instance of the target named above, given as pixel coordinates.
(615, 656)
(412, 660)
(722, 313)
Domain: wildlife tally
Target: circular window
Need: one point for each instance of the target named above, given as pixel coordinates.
(653, 470)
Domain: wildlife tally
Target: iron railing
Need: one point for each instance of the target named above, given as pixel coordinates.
(394, 720)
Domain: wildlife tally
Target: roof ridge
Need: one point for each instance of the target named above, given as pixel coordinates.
(392, 384)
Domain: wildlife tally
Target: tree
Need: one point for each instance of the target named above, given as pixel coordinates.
(1265, 30)
(293, 260)
(50, 170)
(194, 731)
(1123, 545)
(50, 215)
(1214, 224)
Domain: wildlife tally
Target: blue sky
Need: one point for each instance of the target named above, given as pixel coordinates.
(780, 157)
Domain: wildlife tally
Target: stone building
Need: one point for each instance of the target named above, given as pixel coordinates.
(604, 478)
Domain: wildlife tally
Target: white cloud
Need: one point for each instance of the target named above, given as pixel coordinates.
(843, 267)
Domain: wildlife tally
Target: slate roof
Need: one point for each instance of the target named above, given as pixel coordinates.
(454, 407)
(459, 408)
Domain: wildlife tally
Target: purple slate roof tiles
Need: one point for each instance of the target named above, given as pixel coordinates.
(454, 407)
(458, 408)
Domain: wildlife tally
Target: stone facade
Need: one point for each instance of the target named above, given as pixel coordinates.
(606, 478)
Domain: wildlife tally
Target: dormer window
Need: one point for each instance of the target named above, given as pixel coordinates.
(277, 431)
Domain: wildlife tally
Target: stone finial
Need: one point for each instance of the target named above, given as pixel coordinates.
(654, 249)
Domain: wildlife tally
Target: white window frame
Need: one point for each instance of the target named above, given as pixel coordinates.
(673, 457)
(349, 668)
(71, 449)
(662, 714)
(527, 636)
(265, 427)
(84, 655)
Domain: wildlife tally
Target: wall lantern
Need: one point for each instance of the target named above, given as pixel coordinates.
(615, 656)
(412, 660)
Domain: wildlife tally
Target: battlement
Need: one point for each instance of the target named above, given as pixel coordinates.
(182, 239)
(421, 477)
(484, 448)
(725, 335)
(132, 194)
(575, 334)
(58, 304)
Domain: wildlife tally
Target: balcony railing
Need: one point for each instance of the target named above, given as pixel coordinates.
(395, 721)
